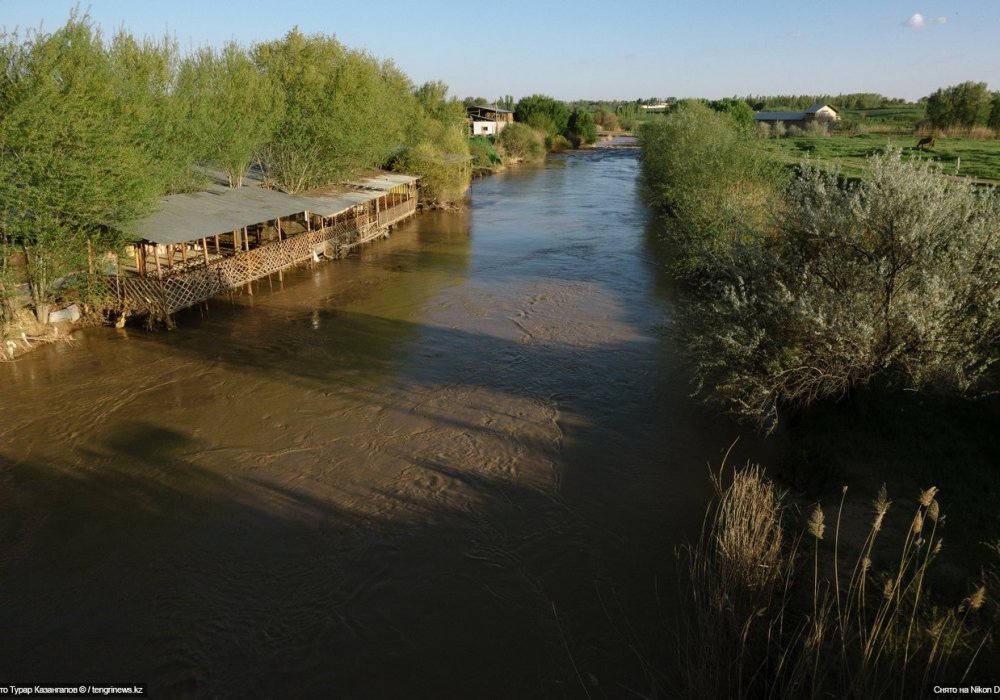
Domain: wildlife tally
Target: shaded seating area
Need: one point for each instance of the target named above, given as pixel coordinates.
(201, 244)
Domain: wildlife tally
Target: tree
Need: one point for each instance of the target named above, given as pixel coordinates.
(233, 108)
(543, 113)
(891, 278)
(437, 148)
(580, 128)
(965, 105)
(738, 110)
(519, 142)
(711, 178)
(606, 119)
(994, 119)
(344, 110)
(74, 172)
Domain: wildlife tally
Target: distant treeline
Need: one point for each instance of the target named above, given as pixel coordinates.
(94, 129)
(853, 100)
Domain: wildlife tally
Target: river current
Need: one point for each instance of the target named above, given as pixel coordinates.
(454, 464)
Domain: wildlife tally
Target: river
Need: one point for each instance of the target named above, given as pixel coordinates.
(454, 464)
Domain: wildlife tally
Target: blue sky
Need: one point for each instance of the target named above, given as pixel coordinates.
(584, 49)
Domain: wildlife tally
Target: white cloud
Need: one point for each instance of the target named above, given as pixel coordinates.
(918, 21)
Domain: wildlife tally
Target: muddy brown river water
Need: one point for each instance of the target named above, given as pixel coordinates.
(455, 464)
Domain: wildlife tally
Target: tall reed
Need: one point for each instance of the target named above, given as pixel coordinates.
(768, 616)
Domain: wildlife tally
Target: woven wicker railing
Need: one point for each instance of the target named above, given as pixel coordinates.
(160, 297)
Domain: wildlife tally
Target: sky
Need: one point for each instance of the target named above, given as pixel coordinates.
(602, 50)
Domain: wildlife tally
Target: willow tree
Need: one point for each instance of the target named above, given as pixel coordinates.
(72, 173)
(344, 109)
(233, 108)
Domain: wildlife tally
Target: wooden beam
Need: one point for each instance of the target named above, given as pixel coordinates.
(156, 257)
(204, 250)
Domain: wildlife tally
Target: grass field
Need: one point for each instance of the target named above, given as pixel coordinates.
(968, 157)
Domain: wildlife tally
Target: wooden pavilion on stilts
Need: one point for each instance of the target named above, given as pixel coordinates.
(202, 244)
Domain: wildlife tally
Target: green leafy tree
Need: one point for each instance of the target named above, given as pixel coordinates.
(606, 119)
(73, 169)
(143, 76)
(438, 146)
(738, 110)
(233, 108)
(714, 180)
(581, 128)
(344, 110)
(964, 105)
(543, 113)
(519, 142)
(433, 99)
(994, 119)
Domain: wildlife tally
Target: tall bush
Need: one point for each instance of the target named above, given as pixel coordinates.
(892, 278)
(519, 142)
(712, 178)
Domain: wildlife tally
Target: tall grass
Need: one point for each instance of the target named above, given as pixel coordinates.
(773, 616)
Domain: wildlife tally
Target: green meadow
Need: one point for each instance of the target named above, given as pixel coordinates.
(963, 156)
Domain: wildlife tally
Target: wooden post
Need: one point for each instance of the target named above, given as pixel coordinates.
(204, 249)
(246, 240)
(184, 253)
(170, 257)
(237, 243)
(156, 257)
(277, 226)
(217, 251)
(138, 260)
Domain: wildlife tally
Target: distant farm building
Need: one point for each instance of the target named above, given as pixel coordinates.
(817, 113)
(488, 121)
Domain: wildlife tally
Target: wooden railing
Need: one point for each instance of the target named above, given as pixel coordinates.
(390, 216)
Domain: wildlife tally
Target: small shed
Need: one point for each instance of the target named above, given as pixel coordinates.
(819, 112)
(488, 121)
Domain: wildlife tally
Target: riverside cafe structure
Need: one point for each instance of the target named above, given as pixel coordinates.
(206, 243)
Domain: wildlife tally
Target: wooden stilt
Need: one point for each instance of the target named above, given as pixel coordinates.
(156, 257)
(237, 243)
(204, 250)
(217, 251)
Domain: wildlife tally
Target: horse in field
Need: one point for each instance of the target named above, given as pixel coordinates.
(925, 143)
